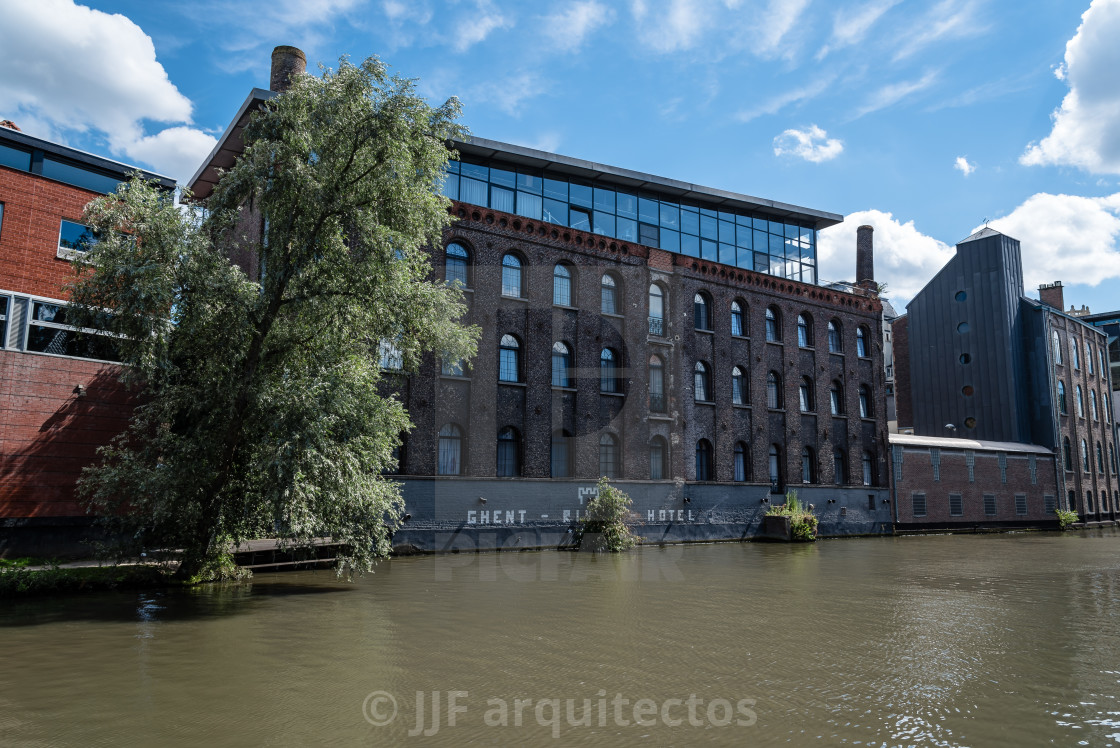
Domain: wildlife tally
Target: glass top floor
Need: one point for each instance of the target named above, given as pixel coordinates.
(749, 239)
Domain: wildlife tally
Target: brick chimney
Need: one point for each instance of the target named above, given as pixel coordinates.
(287, 63)
(865, 257)
(1051, 295)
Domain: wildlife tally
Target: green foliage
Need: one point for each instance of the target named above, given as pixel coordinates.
(262, 411)
(604, 527)
(803, 523)
(18, 582)
(1066, 517)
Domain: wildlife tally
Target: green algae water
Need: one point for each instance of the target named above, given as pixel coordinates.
(939, 640)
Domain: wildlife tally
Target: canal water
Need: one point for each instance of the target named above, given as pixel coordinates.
(937, 640)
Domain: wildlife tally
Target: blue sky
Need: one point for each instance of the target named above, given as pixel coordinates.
(920, 118)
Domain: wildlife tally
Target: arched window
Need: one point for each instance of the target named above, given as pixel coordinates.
(1057, 348)
(1089, 501)
(561, 454)
(1089, 356)
(608, 371)
(804, 329)
(836, 398)
(864, 401)
(609, 297)
(658, 455)
(1067, 454)
(808, 466)
(1073, 350)
(509, 360)
(1085, 457)
(608, 456)
(805, 392)
(702, 382)
(561, 365)
(774, 464)
(1112, 457)
(511, 276)
(656, 310)
(835, 343)
(561, 285)
(773, 325)
(704, 460)
(657, 402)
(701, 312)
(741, 463)
(868, 469)
(863, 350)
(773, 390)
(737, 326)
(1072, 501)
(450, 450)
(455, 267)
(509, 462)
(1079, 402)
(1100, 458)
(739, 387)
(1062, 397)
(1093, 405)
(1104, 366)
(839, 466)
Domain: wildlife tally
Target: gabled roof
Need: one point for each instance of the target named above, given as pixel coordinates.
(229, 147)
(983, 233)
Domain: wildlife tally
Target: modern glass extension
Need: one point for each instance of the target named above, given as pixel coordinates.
(746, 240)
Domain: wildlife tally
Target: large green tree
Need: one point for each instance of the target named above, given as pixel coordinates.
(261, 412)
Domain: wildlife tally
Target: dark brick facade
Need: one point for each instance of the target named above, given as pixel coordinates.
(1089, 486)
(482, 406)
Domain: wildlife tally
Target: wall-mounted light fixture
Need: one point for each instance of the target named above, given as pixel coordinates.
(688, 499)
(481, 500)
(406, 518)
(80, 390)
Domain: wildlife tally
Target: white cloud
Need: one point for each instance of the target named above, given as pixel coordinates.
(78, 69)
(963, 166)
(894, 93)
(572, 25)
(949, 19)
(546, 141)
(793, 96)
(774, 24)
(508, 94)
(905, 258)
(478, 25)
(851, 26)
(1062, 237)
(175, 151)
(1066, 237)
(677, 24)
(1086, 129)
(811, 144)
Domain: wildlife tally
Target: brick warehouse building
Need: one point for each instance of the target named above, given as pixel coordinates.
(1012, 376)
(59, 395)
(667, 335)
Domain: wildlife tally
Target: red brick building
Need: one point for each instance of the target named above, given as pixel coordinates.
(942, 482)
(59, 395)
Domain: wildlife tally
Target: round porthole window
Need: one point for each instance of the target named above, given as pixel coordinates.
(970, 423)
(967, 390)
(962, 327)
(961, 296)
(965, 358)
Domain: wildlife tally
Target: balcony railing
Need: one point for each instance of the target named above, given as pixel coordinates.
(657, 403)
(657, 326)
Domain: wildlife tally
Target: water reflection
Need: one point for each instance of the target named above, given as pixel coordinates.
(929, 641)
